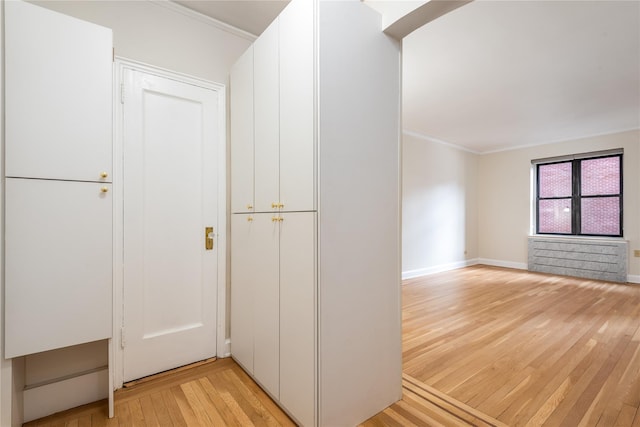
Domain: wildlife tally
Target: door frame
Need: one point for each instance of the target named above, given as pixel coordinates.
(222, 343)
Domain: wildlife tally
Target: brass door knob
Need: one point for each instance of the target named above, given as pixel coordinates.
(274, 205)
(104, 189)
(103, 174)
(281, 205)
(274, 219)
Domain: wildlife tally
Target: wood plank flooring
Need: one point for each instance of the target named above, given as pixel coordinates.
(525, 348)
(219, 393)
(482, 346)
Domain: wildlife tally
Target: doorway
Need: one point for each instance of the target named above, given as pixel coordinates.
(173, 191)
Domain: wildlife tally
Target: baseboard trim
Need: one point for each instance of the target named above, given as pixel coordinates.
(632, 278)
(52, 397)
(505, 264)
(438, 269)
(227, 348)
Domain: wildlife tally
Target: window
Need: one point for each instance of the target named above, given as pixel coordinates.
(580, 195)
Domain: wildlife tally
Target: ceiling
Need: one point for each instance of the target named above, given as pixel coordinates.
(496, 75)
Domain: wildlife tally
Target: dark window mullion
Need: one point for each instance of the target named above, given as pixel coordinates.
(576, 205)
(620, 225)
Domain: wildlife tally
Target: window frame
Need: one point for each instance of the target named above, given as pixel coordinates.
(576, 192)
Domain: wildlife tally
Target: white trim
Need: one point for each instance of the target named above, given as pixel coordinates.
(505, 264)
(519, 147)
(438, 141)
(122, 63)
(558, 141)
(226, 350)
(222, 344)
(420, 272)
(223, 349)
(633, 278)
(190, 13)
(57, 396)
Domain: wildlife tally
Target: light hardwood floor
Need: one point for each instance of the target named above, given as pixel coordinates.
(525, 348)
(482, 346)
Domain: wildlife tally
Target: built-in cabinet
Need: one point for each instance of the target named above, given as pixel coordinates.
(58, 163)
(272, 158)
(315, 266)
(272, 311)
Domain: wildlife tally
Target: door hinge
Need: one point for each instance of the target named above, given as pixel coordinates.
(122, 341)
(122, 93)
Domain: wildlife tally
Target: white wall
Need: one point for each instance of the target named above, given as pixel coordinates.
(158, 34)
(439, 207)
(504, 197)
(150, 32)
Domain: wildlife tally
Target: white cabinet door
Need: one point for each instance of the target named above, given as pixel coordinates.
(266, 302)
(297, 102)
(255, 303)
(267, 127)
(242, 293)
(241, 105)
(58, 95)
(58, 264)
(297, 315)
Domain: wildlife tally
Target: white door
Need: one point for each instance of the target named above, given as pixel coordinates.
(170, 135)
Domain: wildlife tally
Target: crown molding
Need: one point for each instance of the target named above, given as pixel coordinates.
(185, 11)
(438, 141)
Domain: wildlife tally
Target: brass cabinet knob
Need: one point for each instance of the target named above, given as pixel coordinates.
(280, 219)
(249, 218)
(104, 189)
(103, 174)
(281, 205)
(274, 218)
(274, 205)
(249, 206)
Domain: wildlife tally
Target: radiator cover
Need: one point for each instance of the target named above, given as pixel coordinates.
(593, 259)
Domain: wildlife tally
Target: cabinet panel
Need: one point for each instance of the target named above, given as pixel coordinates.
(297, 101)
(242, 297)
(241, 99)
(58, 95)
(58, 264)
(297, 315)
(264, 270)
(267, 128)
(255, 297)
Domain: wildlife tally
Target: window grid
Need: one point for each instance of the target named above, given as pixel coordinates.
(568, 203)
